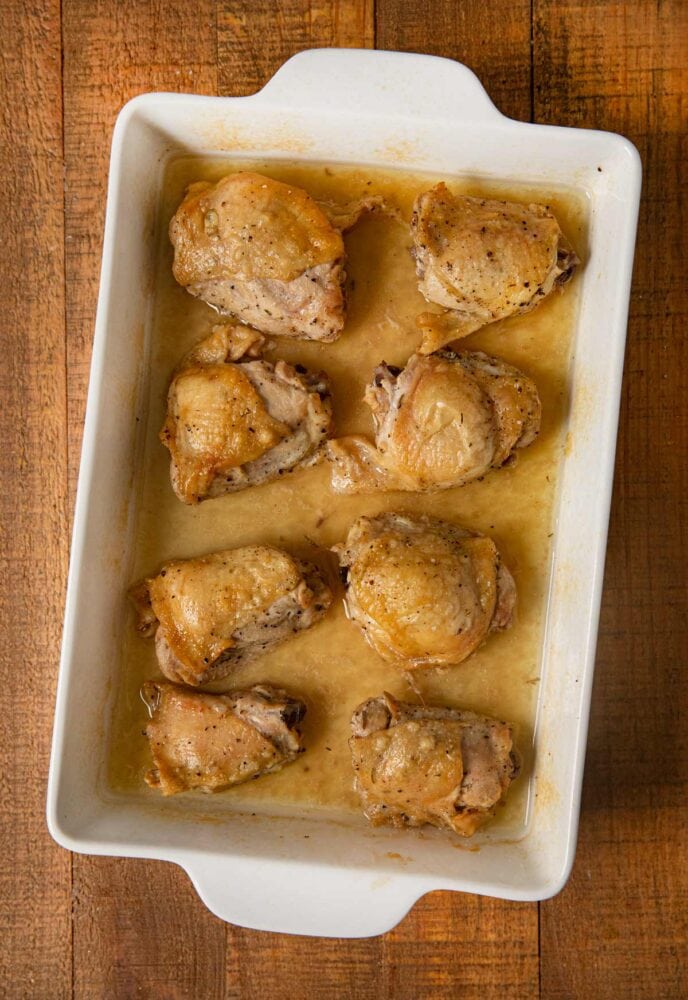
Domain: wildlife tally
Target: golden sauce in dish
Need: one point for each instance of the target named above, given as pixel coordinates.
(331, 666)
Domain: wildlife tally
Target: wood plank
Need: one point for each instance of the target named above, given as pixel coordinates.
(454, 945)
(139, 928)
(621, 926)
(493, 39)
(444, 948)
(35, 959)
(282, 967)
(254, 37)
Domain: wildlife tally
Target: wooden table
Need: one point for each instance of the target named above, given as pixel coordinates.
(93, 927)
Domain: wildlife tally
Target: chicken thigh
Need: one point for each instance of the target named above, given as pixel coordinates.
(235, 420)
(423, 592)
(442, 421)
(213, 741)
(211, 613)
(266, 253)
(484, 260)
(443, 766)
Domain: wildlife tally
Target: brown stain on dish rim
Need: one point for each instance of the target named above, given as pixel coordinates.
(279, 140)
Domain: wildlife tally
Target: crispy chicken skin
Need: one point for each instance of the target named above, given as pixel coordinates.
(266, 253)
(416, 765)
(235, 420)
(483, 260)
(213, 741)
(424, 593)
(442, 421)
(210, 613)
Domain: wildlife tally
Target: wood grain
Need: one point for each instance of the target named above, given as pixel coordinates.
(139, 929)
(621, 926)
(255, 38)
(442, 949)
(492, 38)
(34, 874)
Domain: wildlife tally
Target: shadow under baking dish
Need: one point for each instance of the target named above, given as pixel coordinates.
(331, 666)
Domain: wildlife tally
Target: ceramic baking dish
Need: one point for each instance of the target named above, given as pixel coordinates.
(309, 874)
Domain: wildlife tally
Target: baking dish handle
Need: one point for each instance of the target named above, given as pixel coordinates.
(370, 81)
(274, 895)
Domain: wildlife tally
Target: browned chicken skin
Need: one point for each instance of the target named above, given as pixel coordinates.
(266, 253)
(483, 260)
(210, 613)
(425, 593)
(416, 765)
(213, 741)
(235, 420)
(442, 421)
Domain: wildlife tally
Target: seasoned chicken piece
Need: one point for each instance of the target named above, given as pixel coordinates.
(235, 420)
(484, 260)
(424, 593)
(213, 741)
(442, 421)
(266, 253)
(416, 765)
(211, 613)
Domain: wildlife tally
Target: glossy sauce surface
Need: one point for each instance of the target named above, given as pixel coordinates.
(331, 666)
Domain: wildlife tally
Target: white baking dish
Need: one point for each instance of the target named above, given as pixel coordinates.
(292, 873)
